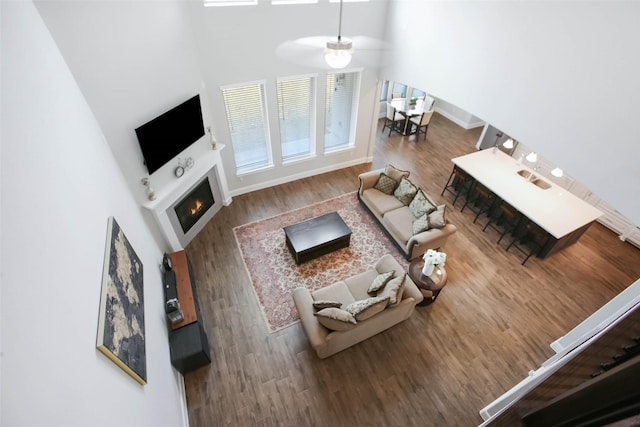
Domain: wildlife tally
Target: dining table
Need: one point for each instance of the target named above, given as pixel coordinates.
(408, 110)
(564, 216)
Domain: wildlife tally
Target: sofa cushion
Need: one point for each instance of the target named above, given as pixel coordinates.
(338, 292)
(421, 205)
(405, 191)
(399, 222)
(367, 308)
(359, 283)
(393, 290)
(380, 203)
(386, 184)
(326, 304)
(395, 173)
(420, 224)
(336, 319)
(380, 280)
(437, 218)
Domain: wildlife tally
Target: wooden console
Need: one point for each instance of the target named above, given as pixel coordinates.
(188, 341)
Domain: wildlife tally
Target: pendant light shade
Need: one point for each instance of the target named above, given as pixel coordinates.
(557, 172)
(532, 157)
(508, 144)
(338, 53)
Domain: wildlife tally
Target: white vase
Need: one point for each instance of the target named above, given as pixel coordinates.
(427, 269)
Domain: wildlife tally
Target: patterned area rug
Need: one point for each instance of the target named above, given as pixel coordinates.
(274, 273)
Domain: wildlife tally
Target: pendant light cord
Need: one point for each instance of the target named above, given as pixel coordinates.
(340, 24)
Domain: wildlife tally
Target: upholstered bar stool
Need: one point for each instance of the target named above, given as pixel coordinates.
(504, 219)
(481, 200)
(531, 241)
(458, 184)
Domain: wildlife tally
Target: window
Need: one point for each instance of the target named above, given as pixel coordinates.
(230, 2)
(347, 1)
(399, 90)
(296, 115)
(293, 1)
(384, 91)
(247, 119)
(340, 110)
(417, 93)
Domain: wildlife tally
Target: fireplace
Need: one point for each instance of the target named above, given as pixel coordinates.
(194, 205)
(184, 206)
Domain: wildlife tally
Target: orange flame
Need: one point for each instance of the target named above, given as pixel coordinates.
(194, 210)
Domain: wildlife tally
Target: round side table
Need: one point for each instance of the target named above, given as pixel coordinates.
(431, 285)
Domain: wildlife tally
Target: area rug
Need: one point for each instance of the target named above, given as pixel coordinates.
(274, 273)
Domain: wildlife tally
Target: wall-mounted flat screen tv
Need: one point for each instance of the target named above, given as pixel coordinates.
(164, 137)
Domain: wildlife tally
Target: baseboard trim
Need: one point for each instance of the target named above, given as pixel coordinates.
(457, 120)
(295, 177)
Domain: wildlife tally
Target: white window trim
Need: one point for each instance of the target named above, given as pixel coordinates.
(313, 136)
(279, 2)
(270, 164)
(352, 132)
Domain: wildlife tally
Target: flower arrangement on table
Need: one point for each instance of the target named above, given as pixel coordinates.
(432, 258)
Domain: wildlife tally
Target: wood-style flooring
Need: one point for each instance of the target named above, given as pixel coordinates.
(491, 325)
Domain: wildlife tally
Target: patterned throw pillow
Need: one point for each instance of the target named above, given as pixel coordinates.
(326, 304)
(381, 280)
(437, 218)
(366, 308)
(394, 290)
(336, 319)
(395, 173)
(421, 205)
(405, 191)
(420, 224)
(386, 184)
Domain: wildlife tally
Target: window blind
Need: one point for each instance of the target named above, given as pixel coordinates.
(340, 109)
(246, 117)
(296, 116)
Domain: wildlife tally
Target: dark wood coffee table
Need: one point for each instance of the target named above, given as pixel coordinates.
(317, 236)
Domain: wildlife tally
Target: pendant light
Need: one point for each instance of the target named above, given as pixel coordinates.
(338, 52)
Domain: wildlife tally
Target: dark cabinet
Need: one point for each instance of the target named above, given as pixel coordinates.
(188, 340)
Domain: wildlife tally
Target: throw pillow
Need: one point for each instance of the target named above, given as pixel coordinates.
(437, 218)
(366, 308)
(386, 184)
(420, 224)
(405, 191)
(381, 280)
(326, 304)
(394, 290)
(421, 205)
(336, 319)
(395, 173)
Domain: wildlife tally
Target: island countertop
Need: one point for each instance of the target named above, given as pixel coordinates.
(554, 208)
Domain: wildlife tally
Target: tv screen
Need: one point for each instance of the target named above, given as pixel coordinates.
(164, 137)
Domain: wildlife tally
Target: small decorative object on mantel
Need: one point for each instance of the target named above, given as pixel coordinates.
(431, 259)
(212, 138)
(182, 166)
(150, 194)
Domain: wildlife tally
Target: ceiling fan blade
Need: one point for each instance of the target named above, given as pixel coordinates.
(369, 43)
(307, 51)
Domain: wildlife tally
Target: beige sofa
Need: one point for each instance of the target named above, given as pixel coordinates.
(327, 342)
(397, 219)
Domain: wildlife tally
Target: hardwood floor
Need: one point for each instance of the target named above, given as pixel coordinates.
(491, 324)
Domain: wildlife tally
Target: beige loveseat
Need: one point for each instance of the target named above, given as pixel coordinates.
(385, 314)
(399, 218)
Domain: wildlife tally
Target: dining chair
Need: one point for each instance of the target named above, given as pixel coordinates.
(421, 124)
(396, 95)
(393, 120)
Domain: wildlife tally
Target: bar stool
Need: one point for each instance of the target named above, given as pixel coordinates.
(458, 184)
(531, 242)
(480, 200)
(504, 219)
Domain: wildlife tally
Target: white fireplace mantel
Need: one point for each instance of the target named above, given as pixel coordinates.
(208, 164)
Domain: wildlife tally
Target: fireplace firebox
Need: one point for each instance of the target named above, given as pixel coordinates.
(194, 205)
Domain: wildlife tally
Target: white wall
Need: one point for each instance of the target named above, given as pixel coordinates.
(559, 76)
(134, 60)
(60, 182)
